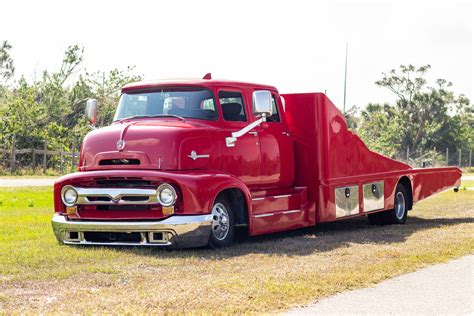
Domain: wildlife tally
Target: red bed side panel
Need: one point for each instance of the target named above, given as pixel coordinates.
(430, 181)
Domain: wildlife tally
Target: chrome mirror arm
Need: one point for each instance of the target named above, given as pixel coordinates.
(230, 141)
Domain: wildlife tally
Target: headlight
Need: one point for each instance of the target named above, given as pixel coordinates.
(69, 195)
(166, 194)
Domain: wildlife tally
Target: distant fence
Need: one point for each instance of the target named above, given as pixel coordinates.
(460, 157)
(39, 157)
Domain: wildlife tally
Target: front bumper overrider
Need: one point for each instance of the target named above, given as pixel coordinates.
(175, 231)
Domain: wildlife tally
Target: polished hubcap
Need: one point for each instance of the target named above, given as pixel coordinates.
(399, 205)
(220, 221)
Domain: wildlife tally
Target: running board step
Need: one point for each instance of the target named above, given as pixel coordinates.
(266, 203)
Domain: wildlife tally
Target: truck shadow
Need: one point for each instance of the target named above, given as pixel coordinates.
(330, 236)
(318, 239)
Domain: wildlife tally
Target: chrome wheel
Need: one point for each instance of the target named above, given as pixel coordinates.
(220, 221)
(400, 205)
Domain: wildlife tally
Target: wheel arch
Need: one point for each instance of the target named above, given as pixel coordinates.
(405, 181)
(239, 202)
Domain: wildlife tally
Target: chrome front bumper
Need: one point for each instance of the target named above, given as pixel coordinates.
(176, 231)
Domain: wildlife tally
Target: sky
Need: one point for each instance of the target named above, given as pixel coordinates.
(297, 46)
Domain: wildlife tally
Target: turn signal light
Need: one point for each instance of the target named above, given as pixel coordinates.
(168, 210)
(71, 210)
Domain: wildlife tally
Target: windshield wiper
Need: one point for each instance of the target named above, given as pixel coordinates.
(171, 115)
(152, 116)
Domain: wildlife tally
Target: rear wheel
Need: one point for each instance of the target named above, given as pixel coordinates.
(223, 224)
(396, 216)
(400, 210)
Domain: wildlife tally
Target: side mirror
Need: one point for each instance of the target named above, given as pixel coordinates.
(91, 111)
(262, 103)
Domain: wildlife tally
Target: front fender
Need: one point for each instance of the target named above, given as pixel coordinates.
(205, 190)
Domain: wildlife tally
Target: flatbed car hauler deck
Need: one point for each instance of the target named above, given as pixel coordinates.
(186, 162)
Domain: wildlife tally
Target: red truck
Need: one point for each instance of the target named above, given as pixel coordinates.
(186, 162)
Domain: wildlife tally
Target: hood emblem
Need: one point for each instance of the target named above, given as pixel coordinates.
(195, 156)
(120, 144)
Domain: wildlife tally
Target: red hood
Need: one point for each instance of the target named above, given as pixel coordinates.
(154, 144)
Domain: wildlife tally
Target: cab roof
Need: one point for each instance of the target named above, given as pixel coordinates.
(207, 83)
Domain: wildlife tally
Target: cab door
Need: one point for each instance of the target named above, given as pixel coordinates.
(276, 147)
(242, 160)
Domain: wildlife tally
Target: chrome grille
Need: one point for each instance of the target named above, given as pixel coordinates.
(115, 196)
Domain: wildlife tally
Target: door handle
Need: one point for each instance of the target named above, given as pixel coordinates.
(253, 133)
(286, 133)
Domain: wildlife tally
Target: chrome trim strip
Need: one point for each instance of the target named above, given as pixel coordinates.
(279, 213)
(263, 215)
(181, 231)
(280, 196)
(271, 196)
(115, 195)
(291, 212)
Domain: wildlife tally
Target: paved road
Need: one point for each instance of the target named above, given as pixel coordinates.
(25, 182)
(445, 289)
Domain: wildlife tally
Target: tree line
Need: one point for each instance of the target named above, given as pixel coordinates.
(51, 107)
(424, 116)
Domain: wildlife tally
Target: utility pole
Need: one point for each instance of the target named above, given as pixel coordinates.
(447, 156)
(345, 82)
(470, 158)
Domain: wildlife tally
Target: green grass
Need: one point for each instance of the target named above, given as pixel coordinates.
(263, 274)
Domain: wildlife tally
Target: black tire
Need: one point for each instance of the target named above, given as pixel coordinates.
(222, 216)
(396, 216)
(400, 207)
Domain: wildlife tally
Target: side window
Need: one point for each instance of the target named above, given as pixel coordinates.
(275, 118)
(233, 107)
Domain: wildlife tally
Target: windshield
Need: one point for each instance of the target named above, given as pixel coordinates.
(182, 102)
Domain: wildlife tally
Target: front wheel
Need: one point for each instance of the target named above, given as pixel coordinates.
(223, 224)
